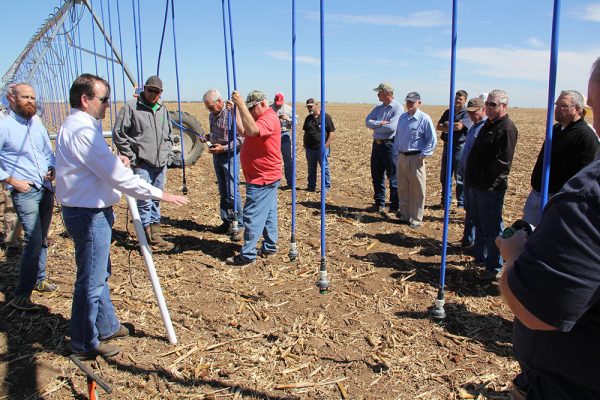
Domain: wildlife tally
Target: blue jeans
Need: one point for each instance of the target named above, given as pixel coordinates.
(150, 209)
(223, 165)
(286, 154)
(92, 313)
(383, 162)
(260, 216)
(34, 209)
(469, 231)
(486, 211)
(313, 157)
(456, 155)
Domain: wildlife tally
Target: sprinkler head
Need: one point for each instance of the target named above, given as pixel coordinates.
(293, 254)
(438, 311)
(184, 190)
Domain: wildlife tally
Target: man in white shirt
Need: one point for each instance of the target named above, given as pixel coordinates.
(89, 181)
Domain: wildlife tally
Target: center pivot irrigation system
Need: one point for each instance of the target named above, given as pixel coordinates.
(78, 38)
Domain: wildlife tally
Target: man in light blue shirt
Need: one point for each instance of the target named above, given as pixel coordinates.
(415, 140)
(383, 120)
(27, 169)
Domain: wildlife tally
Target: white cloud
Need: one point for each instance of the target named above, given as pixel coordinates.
(590, 12)
(422, 19)
(285, 55)
(535, 42)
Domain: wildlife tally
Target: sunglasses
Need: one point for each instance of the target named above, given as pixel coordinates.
(152, 90)
(492, 104)
(103, 100)
(564, 106)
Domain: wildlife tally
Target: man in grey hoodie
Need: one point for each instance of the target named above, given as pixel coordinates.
(142, 133)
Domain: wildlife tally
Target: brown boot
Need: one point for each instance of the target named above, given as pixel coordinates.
(158, 241)
(148, 232)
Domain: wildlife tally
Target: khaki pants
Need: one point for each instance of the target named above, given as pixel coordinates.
(12, 225)
(412, 173)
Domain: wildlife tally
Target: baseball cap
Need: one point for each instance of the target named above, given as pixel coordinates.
(254, 97)
(413, 96)
(278, 99)
(475, 104)
(310, 102)
(154, 81)
(384, 87)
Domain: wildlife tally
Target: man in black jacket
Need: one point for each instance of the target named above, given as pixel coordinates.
(488, 166)
(574, 145)
(462, 123)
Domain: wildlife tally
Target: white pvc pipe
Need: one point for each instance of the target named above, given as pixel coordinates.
(145, 248)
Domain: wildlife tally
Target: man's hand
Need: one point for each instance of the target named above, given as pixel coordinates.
(237, 99)
(458, 126)
(19, 185)
(50, 175)
(125, 161)
(175, 199)
(217, 149)
(511, 248)
(382, 123)
(229, 105)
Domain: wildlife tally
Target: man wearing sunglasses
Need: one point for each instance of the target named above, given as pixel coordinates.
(27, 169)
(89, 181)
(574, 145)
(486, 175)
(143, 134)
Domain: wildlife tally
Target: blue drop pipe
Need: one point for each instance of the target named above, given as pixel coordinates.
(184, 189)
(234, 147)
(550, 113)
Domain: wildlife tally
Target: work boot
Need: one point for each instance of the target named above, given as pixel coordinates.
(157, 240)
(148, 232)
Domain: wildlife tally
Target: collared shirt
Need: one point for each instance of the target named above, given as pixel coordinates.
(261, 154)
(471, 136)
(88, 175)
(415, 133)
(285, 109)
(390, 113)
(25, 150)
(220, 126)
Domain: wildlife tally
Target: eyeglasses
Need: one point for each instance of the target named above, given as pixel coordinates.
(564, 106)
(492, 104)
(103, 100)
(309, 106)
(152, 90)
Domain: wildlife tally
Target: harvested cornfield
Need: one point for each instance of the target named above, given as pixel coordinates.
(265, 332)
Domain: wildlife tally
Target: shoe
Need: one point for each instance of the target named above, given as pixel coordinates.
(265, 253)
(237, 237)
(157, 240)
(285, 187)
(223, 228)
(309, 189)
(45, 286)
(104, 350)
(24, 304)
(414, 224)
(121, 333)
(489, 276)
(238, 261)
(12, 252)
(466, 244)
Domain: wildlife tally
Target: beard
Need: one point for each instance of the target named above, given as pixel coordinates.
(25, 110)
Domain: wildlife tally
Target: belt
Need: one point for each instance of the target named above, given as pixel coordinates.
(411, 153)
(380, 141)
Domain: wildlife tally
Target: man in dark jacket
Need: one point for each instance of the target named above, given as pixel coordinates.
(488, 166)
(143, 134)
(574, 145)
(312, 143)
(462, 123)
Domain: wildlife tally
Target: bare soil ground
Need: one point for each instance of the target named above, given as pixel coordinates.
(265, 332)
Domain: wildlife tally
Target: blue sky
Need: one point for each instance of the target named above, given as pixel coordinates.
(501, 45)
